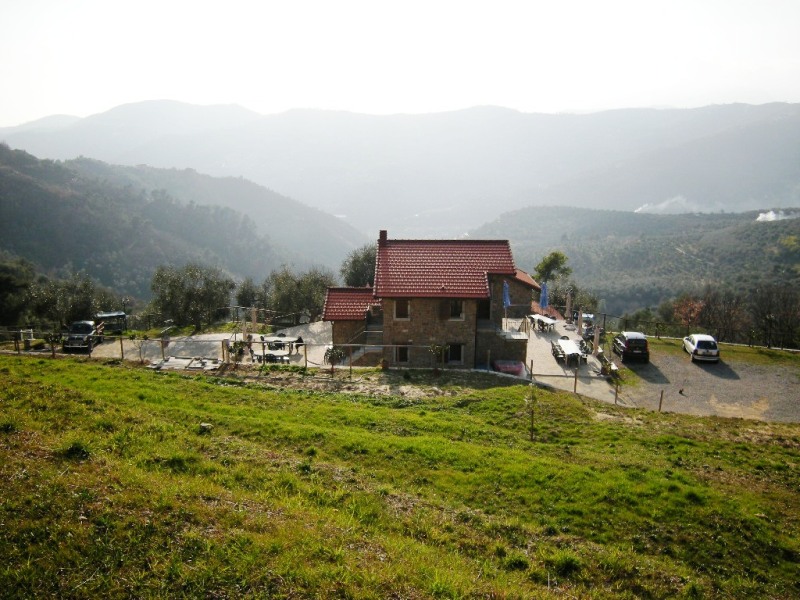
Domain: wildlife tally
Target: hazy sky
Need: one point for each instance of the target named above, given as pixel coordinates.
(81, 57)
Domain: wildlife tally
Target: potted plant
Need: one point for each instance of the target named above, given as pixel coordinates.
(437, 350)
(334, 356)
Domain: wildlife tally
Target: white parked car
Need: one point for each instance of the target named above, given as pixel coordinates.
(701, 347)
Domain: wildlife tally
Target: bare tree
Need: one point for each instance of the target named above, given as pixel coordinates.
(724, 313)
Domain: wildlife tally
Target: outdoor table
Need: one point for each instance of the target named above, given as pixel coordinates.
(570, 350)
(275, 356)
(543, 322)
(278, 342)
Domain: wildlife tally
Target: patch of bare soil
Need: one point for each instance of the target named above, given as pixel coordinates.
(411, 385)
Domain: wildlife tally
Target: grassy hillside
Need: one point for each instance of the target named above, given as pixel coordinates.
(111, 487)
(634, 260)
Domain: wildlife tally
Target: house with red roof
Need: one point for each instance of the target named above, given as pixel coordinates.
(450, 293)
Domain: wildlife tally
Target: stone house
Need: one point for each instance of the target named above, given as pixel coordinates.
(453, 294)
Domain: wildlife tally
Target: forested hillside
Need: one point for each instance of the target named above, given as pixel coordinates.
(634, 260)
(305, 235)
(64, 218)
(119, 223)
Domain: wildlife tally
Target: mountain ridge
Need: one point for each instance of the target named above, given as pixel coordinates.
(442, 174)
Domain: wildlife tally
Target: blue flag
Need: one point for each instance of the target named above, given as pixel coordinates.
(543, 296)
(506, 295)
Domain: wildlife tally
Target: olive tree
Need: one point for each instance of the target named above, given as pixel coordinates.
(191, 295)
(358, 269)
(62, 301)
(291, 293)
(551, 266)
(553, 270)
(16, 277)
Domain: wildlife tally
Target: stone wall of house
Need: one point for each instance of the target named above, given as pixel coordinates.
(519, 294)
(428, 324)
(344, 331)
(491, 346)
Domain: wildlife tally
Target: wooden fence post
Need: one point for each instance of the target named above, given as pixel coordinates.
(660, 400)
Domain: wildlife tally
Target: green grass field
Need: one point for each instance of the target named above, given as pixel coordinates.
(111, 487)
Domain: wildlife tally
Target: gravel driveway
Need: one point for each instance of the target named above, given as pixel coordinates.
(730, 388)
(726, 389)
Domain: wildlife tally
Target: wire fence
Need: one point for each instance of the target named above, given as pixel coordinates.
(362, 354)
(212, 350)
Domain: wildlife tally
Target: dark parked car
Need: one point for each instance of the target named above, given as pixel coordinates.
(631, 345)
(82, 335)
(588, 333)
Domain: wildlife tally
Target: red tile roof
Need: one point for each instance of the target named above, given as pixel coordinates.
(525, 278)
(348, 304)
(439, 268)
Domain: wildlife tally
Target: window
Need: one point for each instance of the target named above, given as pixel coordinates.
(402, 309)
(401, 354)
(455, 353)
(484, 309)
(456, 310)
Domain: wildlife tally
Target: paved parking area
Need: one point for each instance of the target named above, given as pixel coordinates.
(316, 337)
(555, 373)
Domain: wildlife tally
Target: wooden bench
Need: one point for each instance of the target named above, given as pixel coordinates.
(608, 367)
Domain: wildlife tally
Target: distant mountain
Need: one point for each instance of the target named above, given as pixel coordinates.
(635, 260)
(440, 175)
(119, 224)
(51, 124)
(107, 136)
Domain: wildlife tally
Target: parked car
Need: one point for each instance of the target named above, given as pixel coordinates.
(631, 345)
(82, 335)
(588, 333)
(701, 347)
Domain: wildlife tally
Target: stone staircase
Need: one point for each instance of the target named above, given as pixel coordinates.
(373, 340)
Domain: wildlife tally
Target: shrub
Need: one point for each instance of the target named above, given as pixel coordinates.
(565, 563)
(77, 450)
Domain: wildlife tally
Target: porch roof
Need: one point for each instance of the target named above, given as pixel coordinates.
(348, 304)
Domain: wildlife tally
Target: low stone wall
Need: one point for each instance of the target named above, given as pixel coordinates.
(492, 346)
